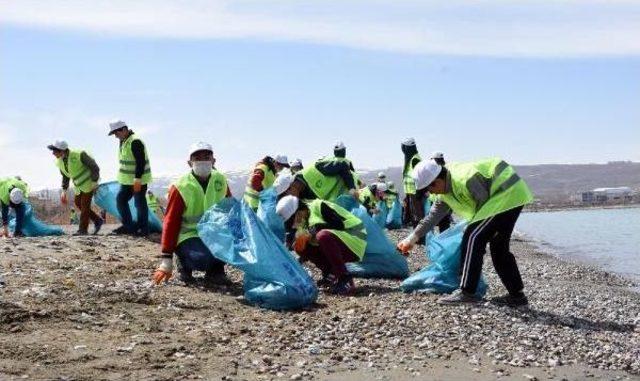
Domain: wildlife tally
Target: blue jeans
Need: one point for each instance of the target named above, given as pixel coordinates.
(195, 256)
(19, 210)
(140, 201)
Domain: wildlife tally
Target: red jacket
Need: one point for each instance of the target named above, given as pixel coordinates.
(173, 220)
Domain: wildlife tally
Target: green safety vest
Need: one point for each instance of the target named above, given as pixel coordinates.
(407, 180)
(354, 234)
(6, 185)
(76, 171)
(367, 198)
(197, 201)
(152, 202)
(127, 171)
(506, 189)
(252, 196)
(325, 187)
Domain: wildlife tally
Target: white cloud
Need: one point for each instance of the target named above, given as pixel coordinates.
(461, 27)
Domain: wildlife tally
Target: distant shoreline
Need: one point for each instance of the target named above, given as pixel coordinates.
(543, 209)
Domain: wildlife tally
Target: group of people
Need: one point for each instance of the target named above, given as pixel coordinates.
(488, 194)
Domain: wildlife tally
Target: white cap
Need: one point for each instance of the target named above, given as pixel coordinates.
(60, 145)
(283, 182)
(287, 207)
(16, 196)
(296, 163)
(116, 125)
(339, 145)
(409, 142)
(425, 172)
(382, 175)
(437, 155)
(382, 187)
(282, 160)
(200, 146)
(391, 185)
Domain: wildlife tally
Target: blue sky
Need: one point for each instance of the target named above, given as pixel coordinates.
(533, 82)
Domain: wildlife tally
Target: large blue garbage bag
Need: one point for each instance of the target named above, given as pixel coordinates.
(442, 274)
(267, 212)
(273, 278)
(105, 197)
(31, 226)
(381, 259)
(381, 217)
(394, 217)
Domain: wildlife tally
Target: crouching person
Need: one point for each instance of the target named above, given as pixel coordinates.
(188, 199)
(12, 194)
(328, 236)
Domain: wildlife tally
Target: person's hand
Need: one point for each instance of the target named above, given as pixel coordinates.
(5, 231)
(375, 211)
(63, 197)
(164, 271)
(407, 244)
(137, 185)
(355, 193)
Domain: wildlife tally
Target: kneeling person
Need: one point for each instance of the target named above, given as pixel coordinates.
(328, 236)
(188, 199)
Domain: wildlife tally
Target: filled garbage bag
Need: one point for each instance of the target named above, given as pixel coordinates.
(394, 216)
(381, 217)
(381, 259)
(267, 212)
(273, 278)
(105, 197)
(31, 226)
(442, 274)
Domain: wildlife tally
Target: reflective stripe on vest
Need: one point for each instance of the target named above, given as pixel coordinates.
(197, 201)
(354, 234)
(76, 171)
(127, 171)
(506, 189)
(407, 181)
(252, 196)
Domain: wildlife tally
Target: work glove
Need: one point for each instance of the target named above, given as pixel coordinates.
(301, 241)
(63, 197)
(407, 244)
(164, 271)
(137, 185)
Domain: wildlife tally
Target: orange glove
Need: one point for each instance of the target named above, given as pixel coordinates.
(301, 242)
(63, 197)
(163, 272)
(404, 247)
(137, 185)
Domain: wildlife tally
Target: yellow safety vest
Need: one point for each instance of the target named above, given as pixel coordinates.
(75, 169)
(127, 171)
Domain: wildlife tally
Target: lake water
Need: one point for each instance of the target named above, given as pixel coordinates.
(607, 238)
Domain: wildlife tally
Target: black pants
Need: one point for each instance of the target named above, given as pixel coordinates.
(496, 231)
(140, 201)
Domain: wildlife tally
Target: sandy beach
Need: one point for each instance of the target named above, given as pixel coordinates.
(81, 308)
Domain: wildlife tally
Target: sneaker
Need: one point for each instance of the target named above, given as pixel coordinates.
(327, 280)
(344, 287)
(80, 233)
(511, 300)
(122, 230)
(217, 279)
(97, 226)
(459, 297)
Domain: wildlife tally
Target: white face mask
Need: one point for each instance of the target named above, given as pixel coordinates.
(202, 168)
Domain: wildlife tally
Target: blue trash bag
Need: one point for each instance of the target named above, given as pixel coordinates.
(105, 197)
(273, 278)
(381, 217)
(442, 274)
(394, 217)
(381, 259)
(31, 226)
(267, 213)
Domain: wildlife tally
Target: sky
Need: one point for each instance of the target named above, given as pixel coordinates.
(531, 81)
